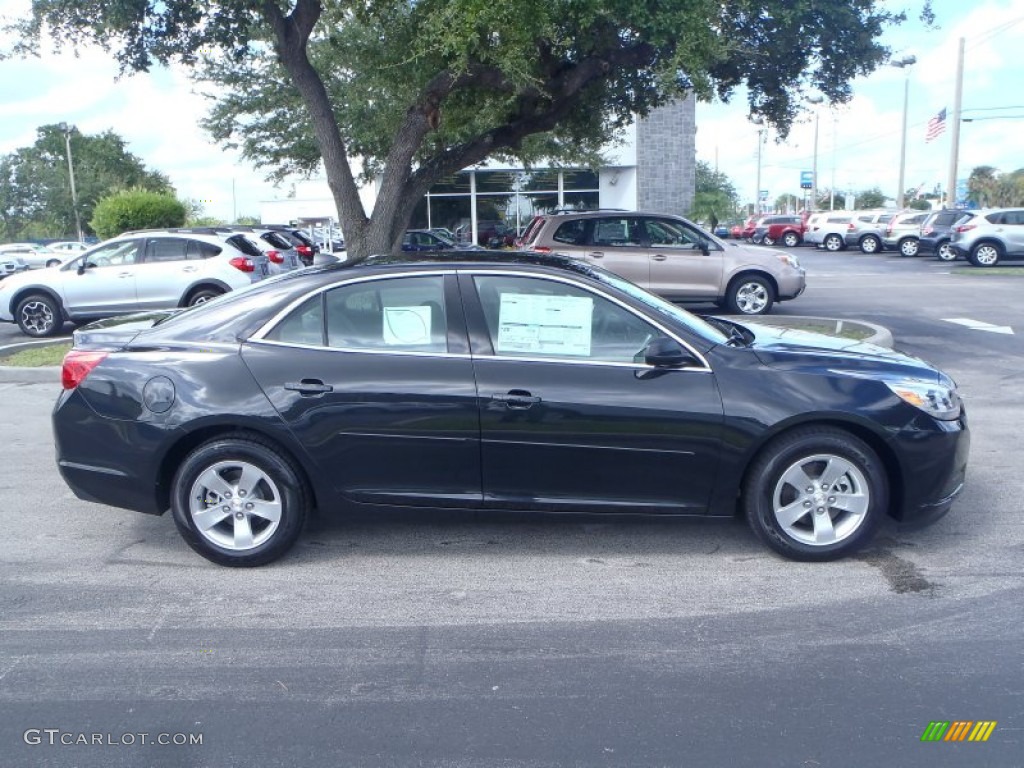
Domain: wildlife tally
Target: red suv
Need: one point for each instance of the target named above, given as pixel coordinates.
(788, 230)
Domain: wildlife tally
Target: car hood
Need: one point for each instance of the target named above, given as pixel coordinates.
(756, 252)
(116, 332)
(793, 349)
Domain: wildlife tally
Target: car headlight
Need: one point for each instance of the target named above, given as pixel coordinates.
(785, 258)
(934, 399)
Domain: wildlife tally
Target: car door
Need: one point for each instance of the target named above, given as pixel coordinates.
(1013, 232)
(679, 266)
(374, 378)
(617, 244)
(102, 281)
(568, 419)
(165, 273)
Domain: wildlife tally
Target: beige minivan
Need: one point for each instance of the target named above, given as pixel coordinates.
(671, 256)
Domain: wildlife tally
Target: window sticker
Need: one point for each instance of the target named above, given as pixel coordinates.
(407, 325)
(549, 325)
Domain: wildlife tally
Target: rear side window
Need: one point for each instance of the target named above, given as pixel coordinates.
(276, 241)
(616, 231)
(885, 218)
(305, 325)
(166, 249)
(245, 246)
(571, 232)
(398, 314)
(197, 249)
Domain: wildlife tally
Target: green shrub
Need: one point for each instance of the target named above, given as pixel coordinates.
(136, 209)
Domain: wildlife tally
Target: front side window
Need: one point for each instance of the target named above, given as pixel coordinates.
(119, 254)
(538, 318)
(665, 233)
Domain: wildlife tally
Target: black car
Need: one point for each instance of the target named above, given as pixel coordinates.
(496, 381)
(937, 230)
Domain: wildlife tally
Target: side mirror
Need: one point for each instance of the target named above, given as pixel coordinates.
(704, 247)
(664, 352)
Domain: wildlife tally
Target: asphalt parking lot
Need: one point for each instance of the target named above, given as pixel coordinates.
(448, 640)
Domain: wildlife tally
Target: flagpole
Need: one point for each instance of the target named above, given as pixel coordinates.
(954, 149)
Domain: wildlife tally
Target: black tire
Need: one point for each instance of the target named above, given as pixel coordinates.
(765, 481)
(203, 295)
(39, 315)
(766, 240)
(944, 251)
(282, 485)
(791, 239)
(833, 243)
(53, 263)
(909, 246)
(987, 254)
(870, 244)
(750, 295)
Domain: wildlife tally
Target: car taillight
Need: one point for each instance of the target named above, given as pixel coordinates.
(965, 227)
(275, 257)
(304, 250)
(243, 263)
(541, 249)
(851, 227)
(77, 365)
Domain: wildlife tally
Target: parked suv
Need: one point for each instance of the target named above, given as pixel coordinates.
(989, 237)
(903, 232)
(866, 229)
(937, 231)
(827, 229)
(136, 271)
(788, 230)
(672, 256)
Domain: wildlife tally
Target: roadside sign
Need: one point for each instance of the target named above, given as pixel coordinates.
(764, 194)
(806, 179)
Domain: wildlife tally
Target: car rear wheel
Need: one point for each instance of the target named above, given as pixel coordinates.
(833, 243)
(985, 255)
(909, 246)
(203, 295)
(767, 240)
(53, 263)
(945, 252)
(816, 493)
(238, 501)
(750, 295)
(870, 244)
(39, 315)
(791, 239)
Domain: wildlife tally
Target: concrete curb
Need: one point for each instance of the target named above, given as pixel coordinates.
(51, 374)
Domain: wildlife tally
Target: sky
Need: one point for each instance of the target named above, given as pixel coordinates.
(158, 114)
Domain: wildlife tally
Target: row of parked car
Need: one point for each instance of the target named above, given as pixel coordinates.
(983, 237)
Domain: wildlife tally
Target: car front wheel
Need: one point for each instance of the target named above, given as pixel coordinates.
(833, 243)
(816, 493)
(238, 501)
(909, 246)
(203, 295)
(750, 295)
(39, 315)
(870, 244)
(985, 255)
(791, 239)
(945, 252)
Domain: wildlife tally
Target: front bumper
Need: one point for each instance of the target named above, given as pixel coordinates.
(935, 459)
(792, 284)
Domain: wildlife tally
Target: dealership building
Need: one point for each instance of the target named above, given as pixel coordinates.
(651, 168)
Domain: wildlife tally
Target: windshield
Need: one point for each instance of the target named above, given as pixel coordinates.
(690, 321)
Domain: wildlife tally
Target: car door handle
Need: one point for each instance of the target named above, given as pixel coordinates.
(189, 269)
(309, 387)
(517, 399)
(596, 254)
(659, 257)
(125, 274)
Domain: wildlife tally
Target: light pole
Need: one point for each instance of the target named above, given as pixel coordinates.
(905, 63)
(758, 121)
(67, 130)
(814, 168)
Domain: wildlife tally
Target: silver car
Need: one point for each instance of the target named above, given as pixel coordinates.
(33, 255)
(990, 236)
(903, 233)
(673, 257)
(827, 229)
(866, 230)
(134, 272)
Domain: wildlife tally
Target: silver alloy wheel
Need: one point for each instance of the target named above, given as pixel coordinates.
(751, 298)
(235, 505)
(767, 240)
(869, 244)
(945, 252)
(821, 500)
(833, 243)
(37, 317)
(909, 247)
(986, 255)
(791, 240)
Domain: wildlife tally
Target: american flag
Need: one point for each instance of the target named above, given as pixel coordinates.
(935, 126)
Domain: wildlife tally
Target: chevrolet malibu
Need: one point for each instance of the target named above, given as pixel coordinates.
(494, 382)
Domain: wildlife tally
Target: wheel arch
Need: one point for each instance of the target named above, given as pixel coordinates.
(188, 442)
(198, 285)
(989, 241)
(869, 434)
(22, 293)
(751, 271)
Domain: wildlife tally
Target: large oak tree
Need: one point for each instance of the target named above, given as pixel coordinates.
(411, 91)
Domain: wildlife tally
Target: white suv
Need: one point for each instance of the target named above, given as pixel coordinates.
(137, 271)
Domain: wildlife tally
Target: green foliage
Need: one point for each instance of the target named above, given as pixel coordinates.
(715, 197)
(787, 202)
(919, 204)
(870, 198)
(991, 189)
(35, 188)
(248, 221)
(136, 209)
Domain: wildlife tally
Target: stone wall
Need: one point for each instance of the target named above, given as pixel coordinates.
(666, 157)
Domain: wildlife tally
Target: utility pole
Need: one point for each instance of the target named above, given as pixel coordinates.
(757, 192)
(66, 130)
(904, 64)
(954, 148)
